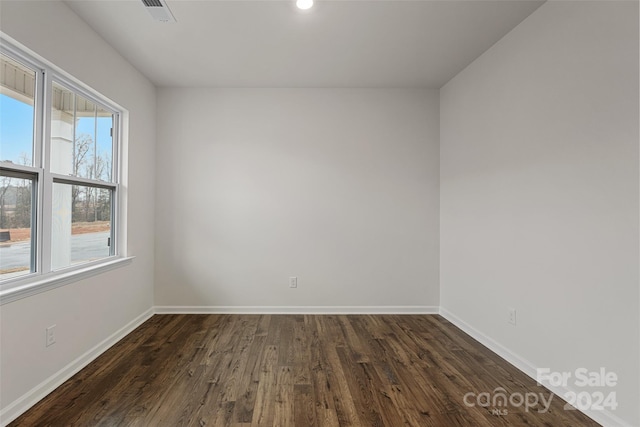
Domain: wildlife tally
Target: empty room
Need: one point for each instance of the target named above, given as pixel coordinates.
(319, 213)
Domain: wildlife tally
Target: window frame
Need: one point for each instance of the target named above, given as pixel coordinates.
(42, 276)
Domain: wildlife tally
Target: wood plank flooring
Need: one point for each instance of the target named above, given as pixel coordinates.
(295, 370)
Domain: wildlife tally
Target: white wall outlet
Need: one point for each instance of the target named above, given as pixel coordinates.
(293, 282)
(511, 312)
(51, 335)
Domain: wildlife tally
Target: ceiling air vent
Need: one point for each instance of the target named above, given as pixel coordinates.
(159, 10)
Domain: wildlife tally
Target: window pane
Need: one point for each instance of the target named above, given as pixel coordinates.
(104, 153)
(15, 226)
(62, 130)
(81, 224)
(85, 146)
(81, 142)
(17, 88)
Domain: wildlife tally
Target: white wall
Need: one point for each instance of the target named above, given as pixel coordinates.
(539, 192)
(337, 187)
(89, 311)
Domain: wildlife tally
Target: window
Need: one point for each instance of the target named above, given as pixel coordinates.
(16, 221)
(81, 163)
(59, 187)
(17, 104)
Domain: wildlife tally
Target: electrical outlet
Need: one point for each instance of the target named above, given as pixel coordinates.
(51, 335)
(293, 282)
(511, 312)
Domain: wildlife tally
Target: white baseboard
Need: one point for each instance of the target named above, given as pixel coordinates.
(402, 309)
(606, 418)
(33, 396)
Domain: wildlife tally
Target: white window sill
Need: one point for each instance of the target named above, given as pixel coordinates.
(38, 284)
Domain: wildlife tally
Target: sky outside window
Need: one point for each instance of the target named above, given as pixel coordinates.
(16, 112)
(16, 135)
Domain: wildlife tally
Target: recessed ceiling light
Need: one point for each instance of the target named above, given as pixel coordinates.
(304, 4)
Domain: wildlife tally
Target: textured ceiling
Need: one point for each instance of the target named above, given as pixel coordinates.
(335, 44)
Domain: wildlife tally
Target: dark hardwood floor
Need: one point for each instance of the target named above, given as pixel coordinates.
(294, 370)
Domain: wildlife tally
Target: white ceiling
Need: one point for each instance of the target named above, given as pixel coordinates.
(336, 44)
